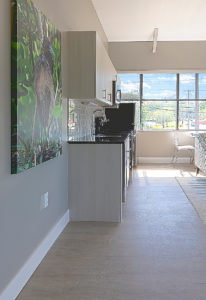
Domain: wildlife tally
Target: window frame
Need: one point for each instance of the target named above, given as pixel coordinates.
(178, 100)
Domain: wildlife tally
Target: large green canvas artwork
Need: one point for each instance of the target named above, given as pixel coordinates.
(36, 90)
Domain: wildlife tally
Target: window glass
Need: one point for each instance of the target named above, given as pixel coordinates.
(187, 114)
(130, 85)
(137, 115)
(192, 115)
(187, 86)
(202, 115)
(159, 115)
(202, 86)
(159, 86)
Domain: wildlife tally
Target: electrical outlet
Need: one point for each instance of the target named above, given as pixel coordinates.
(44, 201)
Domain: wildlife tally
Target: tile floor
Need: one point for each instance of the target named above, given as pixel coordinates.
(158, 252)
(167, 170)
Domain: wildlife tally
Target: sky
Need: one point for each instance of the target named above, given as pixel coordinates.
(163, 86)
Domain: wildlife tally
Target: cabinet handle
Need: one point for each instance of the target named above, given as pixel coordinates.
(110, 97)
(104, 94)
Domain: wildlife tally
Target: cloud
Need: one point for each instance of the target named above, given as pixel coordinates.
(203, 80)
(164, 78)
(146, 86)
(187, 95)
(185, 79)
(129, 87)
(161, 78)
(166, 94)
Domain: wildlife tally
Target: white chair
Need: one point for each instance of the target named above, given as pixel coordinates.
(178, 148)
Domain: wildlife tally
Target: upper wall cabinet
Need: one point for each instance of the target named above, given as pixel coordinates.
(87, 69)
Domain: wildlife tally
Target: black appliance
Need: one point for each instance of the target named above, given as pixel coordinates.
(120, 119)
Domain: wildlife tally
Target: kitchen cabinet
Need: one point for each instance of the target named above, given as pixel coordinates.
(87, 69)
(95, 182)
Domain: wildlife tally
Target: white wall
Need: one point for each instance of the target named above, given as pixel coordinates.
(173, 56)
(22, 225)
(160, 144)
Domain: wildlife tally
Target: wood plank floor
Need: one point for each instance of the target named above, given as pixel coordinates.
(158, 252)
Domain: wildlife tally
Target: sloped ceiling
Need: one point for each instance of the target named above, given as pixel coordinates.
(135, 20)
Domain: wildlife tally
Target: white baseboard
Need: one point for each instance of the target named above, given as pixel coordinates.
(162, 160)
(19, 281)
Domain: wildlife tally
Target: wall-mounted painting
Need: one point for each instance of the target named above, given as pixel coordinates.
(36, 89)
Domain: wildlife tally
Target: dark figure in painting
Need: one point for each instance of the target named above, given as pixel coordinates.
(44, 87)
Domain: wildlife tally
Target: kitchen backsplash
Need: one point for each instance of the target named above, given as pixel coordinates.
(80, 119)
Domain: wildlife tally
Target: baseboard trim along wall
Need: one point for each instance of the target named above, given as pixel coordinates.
(19, 281)
(162, 160)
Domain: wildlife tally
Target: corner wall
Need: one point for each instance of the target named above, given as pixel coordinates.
(22, 226)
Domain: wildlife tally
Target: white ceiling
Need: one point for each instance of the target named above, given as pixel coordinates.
(135, 20)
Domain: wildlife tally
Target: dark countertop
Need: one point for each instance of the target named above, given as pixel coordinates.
(108, 138)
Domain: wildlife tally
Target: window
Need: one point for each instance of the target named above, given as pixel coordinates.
(187, 115)
(130, 86)
(159, 86)
(187, 86)
(167, 101)
(159, 115)
(202, 86)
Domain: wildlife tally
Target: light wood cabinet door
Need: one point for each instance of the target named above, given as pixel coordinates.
(87, 67)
